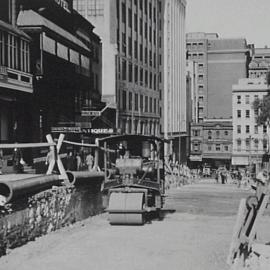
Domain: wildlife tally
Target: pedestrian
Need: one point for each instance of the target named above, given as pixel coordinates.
(78, 162)
(71, 162)
(17, 161)
(239, 179)
(89, 161)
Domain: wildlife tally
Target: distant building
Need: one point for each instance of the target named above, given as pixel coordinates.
(260, 63)
(174, 103)
(250, 141)
(221, 62)
(131, 32)
(211, 143)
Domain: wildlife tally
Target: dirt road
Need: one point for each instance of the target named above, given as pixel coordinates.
(194, 237)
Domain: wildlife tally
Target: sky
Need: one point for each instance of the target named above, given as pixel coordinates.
(231, 18)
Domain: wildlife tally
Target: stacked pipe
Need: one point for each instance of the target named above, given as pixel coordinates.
(10, 190)
(76, 177)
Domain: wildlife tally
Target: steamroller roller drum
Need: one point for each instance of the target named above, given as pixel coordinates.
(126, 208)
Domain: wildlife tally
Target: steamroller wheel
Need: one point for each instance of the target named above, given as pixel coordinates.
(126, 208)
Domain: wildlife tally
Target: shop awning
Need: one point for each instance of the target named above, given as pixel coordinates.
(29, 18)
(240, 160)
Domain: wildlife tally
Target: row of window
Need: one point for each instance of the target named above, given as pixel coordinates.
(144, 55)
(248, 145)
(140, 76)
(217, 147)
(247, 99)
(56, 48)
(247, 113)
(139, 103)
(89, 7)
(197, 132)
(247, 129)
(14, 52)
(148, 8)
(139, 127)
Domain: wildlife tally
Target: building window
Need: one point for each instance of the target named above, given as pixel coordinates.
(130, 72)
(146, 104)
(130, 101)
(141, 76)
(146, 78)
(256, 130)
(136, 75)
(238, 99)
(256, 144)
(247, 129)
(226, 133)
(135, 22)
(247, 99)
(217, 134)
(130, 46)
(265, 145)
(130, 18)
(238, 129)
(196, 132)
(136, 102)
(124, 70)
(217, 147)
(247, 144)
(123, 13)
(141, 103)
(209, 135)
(239, 142)
(150, 105)
(226, 148)
(196, 146)
(247, 114)
(238, 113)
(124, 100)
(264, 129)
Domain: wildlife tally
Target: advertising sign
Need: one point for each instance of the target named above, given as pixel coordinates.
(90, 113)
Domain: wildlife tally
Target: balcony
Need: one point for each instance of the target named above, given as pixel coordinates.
(16, 80)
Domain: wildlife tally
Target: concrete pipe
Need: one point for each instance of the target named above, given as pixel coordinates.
(9, 190)
(78, 176)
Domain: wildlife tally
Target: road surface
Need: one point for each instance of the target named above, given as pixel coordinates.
(194, 235)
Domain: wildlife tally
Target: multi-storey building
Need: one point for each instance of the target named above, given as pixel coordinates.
(250, 141)
(260, 63)
(174, 106)
(221, 62)
(135, 28)
(65, 62)
(16, 84)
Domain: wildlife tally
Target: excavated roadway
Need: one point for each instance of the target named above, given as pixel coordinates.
(196, 236)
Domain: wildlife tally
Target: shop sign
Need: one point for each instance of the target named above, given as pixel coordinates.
(66, 129)
(65, 4)
(195, 158)
(101, 130)
(90, 113)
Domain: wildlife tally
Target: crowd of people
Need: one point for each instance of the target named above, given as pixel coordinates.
(179, 174)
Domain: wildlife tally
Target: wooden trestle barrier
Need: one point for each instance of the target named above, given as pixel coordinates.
(249, 214)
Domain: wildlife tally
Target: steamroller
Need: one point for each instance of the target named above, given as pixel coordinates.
(134, 177)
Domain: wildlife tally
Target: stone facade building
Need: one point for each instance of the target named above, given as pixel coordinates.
(250, 141)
